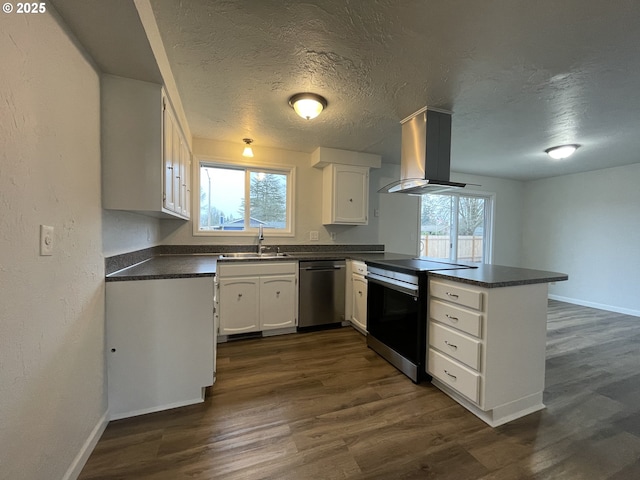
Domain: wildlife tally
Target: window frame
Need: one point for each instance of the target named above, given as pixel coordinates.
(288, 170)
(488, 227)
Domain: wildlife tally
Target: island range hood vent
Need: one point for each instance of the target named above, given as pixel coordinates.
(426, 154)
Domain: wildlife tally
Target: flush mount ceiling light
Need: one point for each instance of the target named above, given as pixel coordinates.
(561, 151)
(248, 152)
(308, 105)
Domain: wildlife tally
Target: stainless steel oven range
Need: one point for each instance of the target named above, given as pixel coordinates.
(396, 319)
(397, 311)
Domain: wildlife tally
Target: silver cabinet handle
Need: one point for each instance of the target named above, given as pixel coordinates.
(455, 319)
(451, 375)
(455, 347)
(453, 295)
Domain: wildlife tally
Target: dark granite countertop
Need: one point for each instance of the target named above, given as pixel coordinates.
(496, 276)
(198, 265)
(168, 266)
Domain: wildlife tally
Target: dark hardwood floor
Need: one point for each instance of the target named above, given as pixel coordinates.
(323, 406)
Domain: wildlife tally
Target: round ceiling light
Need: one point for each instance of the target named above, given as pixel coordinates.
(308, 105)
(561, 151)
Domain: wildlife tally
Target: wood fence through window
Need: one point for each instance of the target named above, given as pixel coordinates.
(439, 246)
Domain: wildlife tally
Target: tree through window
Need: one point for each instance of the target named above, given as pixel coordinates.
(235, 199)
(455, 227)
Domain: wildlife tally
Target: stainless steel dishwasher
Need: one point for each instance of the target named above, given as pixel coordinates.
(322, 288)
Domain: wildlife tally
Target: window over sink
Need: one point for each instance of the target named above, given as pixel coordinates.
(238, 199)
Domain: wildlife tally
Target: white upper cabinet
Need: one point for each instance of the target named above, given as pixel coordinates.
(345, 195)
(146, 162)
(345, 184)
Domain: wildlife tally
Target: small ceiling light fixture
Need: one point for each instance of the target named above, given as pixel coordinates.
(248, 152)
(308, 105)
(561, 151)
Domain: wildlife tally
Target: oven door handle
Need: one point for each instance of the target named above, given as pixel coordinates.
(396, 285)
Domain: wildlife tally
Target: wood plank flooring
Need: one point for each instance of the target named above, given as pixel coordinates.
(323, 406)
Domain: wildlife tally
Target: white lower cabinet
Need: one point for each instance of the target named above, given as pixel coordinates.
(486, 347)
(277, 301)
(257, 296)
(359, 302)
(239, 305)
(356, 295)
(160, 344)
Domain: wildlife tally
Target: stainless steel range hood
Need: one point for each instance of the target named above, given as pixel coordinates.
(426, 154)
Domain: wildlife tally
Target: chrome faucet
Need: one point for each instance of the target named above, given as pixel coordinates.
(260, 239)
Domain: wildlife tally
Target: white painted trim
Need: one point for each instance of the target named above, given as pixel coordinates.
(600, 306)
(90, 443)
(157, 408)
(501, 414)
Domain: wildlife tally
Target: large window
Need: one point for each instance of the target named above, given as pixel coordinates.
(456, 227)
(236, 199)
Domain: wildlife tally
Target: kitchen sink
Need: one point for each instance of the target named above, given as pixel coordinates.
(250, 255)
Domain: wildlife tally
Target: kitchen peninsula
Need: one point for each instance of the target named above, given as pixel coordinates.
(484, 338)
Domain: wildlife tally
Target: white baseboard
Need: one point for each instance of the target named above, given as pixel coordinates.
(90, 443)
(600, 306)
(159, 408)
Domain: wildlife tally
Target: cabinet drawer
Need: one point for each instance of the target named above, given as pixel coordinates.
(359, 268)
(456, 294)
(454, 374)
(454, 344)
(465, 320)
(261, 267)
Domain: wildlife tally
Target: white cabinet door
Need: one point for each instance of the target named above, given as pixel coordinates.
(185, 179)
(239, 311)
(141, 141)
(351, 190)
(170, 165)
(160, 344)
(345, 195)
(359, 301)
(277, 302)
(176, 169)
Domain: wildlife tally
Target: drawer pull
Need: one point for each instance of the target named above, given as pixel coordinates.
(451, 375)
(454, 319)
(453, 295)
(455, 347)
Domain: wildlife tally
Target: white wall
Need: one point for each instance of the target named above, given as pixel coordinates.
(588, 226)
(124, 232)
(52, 372)
(307, 209)
(398, 226)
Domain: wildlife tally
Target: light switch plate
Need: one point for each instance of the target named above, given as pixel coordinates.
(313, 235)
(46, 240)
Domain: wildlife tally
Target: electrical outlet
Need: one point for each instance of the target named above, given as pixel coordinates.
(333, 235)
(46, 240)
(313, 235)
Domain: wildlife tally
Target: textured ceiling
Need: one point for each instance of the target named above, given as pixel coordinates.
(519, 76)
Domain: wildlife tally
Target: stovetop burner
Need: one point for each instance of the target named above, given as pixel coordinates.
(421, 264)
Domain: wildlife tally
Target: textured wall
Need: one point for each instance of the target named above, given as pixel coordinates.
(587, 225)
(52, 382)
(124, 232)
